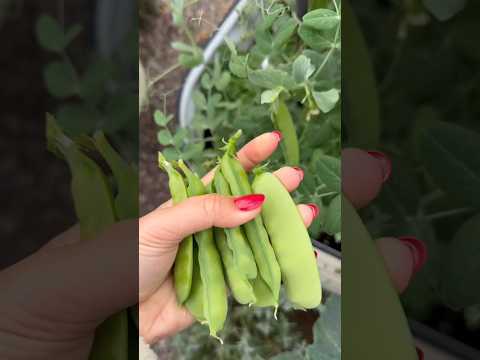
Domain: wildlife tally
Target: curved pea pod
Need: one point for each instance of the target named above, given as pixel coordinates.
(194, 303)
(183, 268)
(92, 195)
(241, 288)
(125, 175)
(215, 301)
(257, 236)
(242, 254)
(263, 294)
(111, 339)
(290, 241)
(383, 332)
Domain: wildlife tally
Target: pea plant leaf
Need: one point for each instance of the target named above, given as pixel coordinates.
(302, 69)
(271, 78)
(326, 100)
(164, 137)
(447, 151)
(327, 332)
(51, 35)
(328, 170)
(60, 79)
(321, 19)
(332, 221)
(270, 96)
(444, 9)
(161, 119)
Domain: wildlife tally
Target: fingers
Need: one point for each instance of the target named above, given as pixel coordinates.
(403, 258)
(170, 225)
(308, 212)
(259, 149)
(363, 174)
(290, 177)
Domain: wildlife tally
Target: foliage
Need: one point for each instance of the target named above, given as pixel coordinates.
(285, 75)
(92, 97)
(429, 129)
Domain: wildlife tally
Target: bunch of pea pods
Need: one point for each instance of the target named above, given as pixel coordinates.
(251, 261)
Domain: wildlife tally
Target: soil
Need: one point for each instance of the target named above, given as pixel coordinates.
(157, 32)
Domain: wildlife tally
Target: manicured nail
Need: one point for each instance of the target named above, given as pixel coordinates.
(278, 134)
(420, 354)
(314, 209)
(249, 202)
(385, 163)
(300, 172)
(418, 249)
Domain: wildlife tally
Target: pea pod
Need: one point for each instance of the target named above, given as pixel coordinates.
(194, 303)
(255, 230)
(282, 120)
(367, 285)
(126, 200)
(290, 241)
(214, 290)
(238, 245)
(241, 288)
(183, 268)
(111, 338)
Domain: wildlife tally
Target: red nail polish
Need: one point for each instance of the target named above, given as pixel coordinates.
(300, 171)
(418, 249)
(278, 134)
(314, 209)
(420, 354)
(249, 202)
(385, 163)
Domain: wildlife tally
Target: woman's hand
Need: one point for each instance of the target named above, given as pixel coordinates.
(162, 230)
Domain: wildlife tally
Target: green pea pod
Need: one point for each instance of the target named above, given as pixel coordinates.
(242, 254)
(284, 224)
(194, 303)
(241, 288)
(263, 294)
(126, 200)
(92, 195)
(215, 300)
(111, 339)
(255, 230)
(282, 120)
(183, 268)
(367, 285)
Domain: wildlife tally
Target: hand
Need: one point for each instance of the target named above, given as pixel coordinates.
(363, 174)
(162, 230)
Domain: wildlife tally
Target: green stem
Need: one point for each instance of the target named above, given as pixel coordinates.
(165, 73)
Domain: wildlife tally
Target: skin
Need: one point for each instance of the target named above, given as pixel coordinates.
(70, 317)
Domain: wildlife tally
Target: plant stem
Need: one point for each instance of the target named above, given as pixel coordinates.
(165, 73)
(442, 214)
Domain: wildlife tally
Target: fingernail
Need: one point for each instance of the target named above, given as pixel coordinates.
(278, 134)
(300, 172)
(385, 163)
(420, 354)
(314, 209)
(315, 253)
(249, 202)
(418, 249)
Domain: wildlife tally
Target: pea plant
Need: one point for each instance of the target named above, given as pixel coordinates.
(284, 75)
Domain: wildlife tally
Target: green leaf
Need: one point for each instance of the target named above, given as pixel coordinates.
(199, 100)
(161, 119)
(332, 222)
(50, 34)
(328, 169)
(164, 137)
(461, 268)
(327, 332)
(171, 154)
(190, 61)
(315, 39)
(94, 80)
(206, 81)
(284, 34)
(444, 9)
(182, 47)
(448, 152)
(270, 96)
(78, 119)
(192, 150)
(238, 66)
(72, 33)
(119, 111)
(177, 11)
(223, 81)
(271, 78)
(326, 100)
(179, 137)
(60, 79)
(302, 69)
(321, 19)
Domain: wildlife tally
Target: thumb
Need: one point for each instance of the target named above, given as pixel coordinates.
(198, 213)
